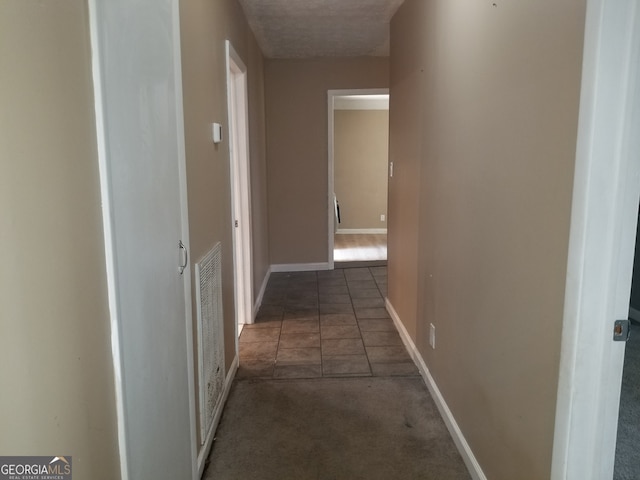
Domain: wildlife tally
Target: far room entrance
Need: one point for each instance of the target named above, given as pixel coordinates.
(358, 169)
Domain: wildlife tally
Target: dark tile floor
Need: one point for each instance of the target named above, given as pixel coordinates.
(324, 324)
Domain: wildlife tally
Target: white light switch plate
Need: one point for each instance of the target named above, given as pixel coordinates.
(217, 132)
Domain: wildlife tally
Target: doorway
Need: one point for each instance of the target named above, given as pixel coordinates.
(358, 182)
(240, 186)
(601, 244)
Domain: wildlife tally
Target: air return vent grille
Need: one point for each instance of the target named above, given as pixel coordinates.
(210, 336)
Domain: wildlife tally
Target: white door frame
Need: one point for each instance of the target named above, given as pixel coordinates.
(238, 120)
(602, 240)
(184, 210)
(109, 194)
(331, 96)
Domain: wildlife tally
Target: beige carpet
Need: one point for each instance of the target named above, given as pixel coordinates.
(333, 429)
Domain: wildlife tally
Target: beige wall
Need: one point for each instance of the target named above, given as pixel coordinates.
(55, 361)
(360, 157)
(258, 151)
(205, 25)
(484, 108)
(297, 138)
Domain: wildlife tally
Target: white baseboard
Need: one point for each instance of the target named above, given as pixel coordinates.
(354, 231)
(634, 314)
(463, 447)
(206, 448)
(300, 267)
(263, 287)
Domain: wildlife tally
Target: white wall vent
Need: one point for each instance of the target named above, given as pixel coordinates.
(210, 336)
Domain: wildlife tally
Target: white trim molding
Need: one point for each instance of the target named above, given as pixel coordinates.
(458, 438)
(240, 181)
(206, 447)
(360, 231)
(300, 267)
(263, 287)
(601, 244)
(106, 196)
(362, 102)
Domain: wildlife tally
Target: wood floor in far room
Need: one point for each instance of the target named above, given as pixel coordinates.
(359, 247)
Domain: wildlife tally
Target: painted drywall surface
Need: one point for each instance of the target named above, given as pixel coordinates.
(361, 153)
(55, 361)
(404, 158)
(258, 152)
(205, 25)
(497, 87)
(297, 138)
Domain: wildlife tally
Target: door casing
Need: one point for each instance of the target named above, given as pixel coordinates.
(331, 96)
(238, 118)
(601, 245)
(134, 293)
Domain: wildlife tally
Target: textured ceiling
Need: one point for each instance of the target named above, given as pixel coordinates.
(321, 28)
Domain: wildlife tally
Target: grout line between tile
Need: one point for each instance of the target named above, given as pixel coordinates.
(322, 375)
(275, 360)
(360, 331)
(287, 286)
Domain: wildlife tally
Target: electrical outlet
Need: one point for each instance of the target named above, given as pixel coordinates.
(382, 217)
(432, 335)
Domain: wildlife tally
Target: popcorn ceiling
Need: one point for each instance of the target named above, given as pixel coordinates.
(321, 28)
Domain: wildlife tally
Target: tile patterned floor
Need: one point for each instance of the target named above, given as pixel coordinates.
(324, 324)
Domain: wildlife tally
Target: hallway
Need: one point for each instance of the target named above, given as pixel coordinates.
(326, 390)
(512, 199)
